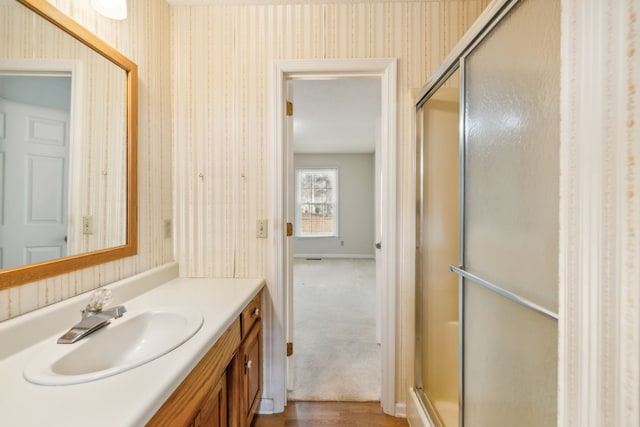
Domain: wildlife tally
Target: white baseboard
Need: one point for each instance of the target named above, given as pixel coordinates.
(401, 410)
(266, 407)
(335, 256)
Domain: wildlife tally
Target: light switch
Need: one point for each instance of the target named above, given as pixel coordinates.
(87, 225)
(261, 227)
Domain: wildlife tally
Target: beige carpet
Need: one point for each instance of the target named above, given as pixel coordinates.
(336, 354)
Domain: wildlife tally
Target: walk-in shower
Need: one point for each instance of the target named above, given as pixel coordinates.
(487, 175)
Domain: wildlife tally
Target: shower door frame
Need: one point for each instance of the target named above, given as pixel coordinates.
(455, 61)
(419, 170)
(594, 53)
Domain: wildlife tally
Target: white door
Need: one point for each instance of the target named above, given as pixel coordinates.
(34, 152)
(289, 213)
(378, 232)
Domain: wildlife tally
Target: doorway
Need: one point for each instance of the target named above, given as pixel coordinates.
(385, 70)
(335, 134)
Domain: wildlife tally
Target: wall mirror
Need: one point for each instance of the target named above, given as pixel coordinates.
(68, 146)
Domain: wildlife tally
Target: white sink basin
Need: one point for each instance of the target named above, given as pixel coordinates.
(128, 342)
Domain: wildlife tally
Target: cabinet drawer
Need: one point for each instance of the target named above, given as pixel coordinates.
(251, 314)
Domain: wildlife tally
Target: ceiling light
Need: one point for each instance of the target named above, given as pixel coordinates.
(114, 9)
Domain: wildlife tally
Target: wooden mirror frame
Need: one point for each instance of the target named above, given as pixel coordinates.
(29, 273)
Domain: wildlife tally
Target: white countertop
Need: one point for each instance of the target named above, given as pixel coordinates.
(132, 397)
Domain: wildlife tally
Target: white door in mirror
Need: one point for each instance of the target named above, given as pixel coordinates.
(133, 340)
(34, 149)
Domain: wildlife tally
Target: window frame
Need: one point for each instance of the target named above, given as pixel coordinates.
(299, 170)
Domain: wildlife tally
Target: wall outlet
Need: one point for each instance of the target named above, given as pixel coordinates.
(167, 228)
(87, 224)
(261, 227)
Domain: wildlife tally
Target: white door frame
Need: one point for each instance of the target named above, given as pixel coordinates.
(275, 345)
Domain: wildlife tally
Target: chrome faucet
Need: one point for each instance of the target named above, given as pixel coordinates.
(93, 317)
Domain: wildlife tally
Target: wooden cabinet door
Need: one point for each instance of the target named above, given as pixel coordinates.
(213, 412)
(203, 394)
(251, 353)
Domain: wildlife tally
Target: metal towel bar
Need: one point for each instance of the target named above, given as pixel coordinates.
(509, 295)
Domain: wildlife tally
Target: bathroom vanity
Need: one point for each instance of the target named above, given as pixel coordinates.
(214, 378)
(224, 388)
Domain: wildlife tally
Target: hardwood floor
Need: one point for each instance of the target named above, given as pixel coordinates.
(330, 414)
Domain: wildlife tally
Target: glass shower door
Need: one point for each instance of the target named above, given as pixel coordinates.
(512, 135)
(437, 183)
(489, 212)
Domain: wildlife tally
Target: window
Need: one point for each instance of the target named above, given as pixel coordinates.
(316, 202)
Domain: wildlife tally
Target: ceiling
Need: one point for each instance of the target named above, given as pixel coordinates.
(335, 115)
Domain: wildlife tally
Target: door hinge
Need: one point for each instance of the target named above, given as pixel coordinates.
(289, 108)
(289, 229)
(289, 349)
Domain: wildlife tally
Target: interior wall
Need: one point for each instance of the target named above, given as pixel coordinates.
(145, 38)
(48, 92)
(599, 373)
(223, 124)
(356, 191)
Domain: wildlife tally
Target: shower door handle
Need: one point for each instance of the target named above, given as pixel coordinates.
(460, 270)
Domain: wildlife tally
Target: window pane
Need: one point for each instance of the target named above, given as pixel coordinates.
(329, 196)
(318, 195)
(316, 203)
(306, 180)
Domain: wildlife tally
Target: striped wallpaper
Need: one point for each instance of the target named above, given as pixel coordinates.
(222, 59)
(145, 38)
(205, 147)
(205, 133)
(223, 142)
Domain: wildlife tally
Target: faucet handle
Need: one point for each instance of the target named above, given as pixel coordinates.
(99, 299)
